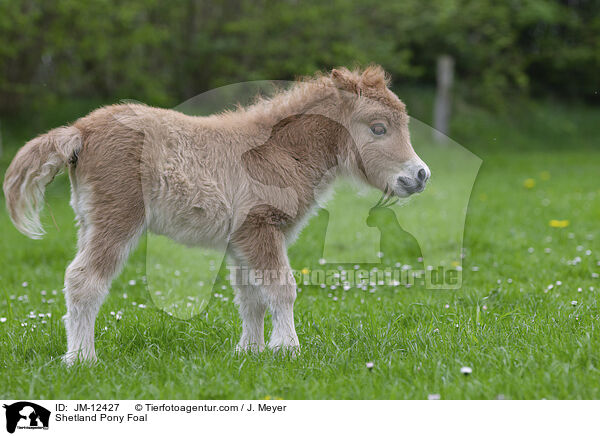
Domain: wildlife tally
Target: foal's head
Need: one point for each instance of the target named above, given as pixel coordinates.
(378, 126)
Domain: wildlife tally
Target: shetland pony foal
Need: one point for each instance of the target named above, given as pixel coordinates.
(246, 178)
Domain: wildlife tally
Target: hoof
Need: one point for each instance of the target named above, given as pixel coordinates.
(245, 347)
(292, 349)
(70, 358)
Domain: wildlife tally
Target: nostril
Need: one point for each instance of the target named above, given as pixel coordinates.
(422, 175)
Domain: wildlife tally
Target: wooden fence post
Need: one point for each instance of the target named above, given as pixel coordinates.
(443, 102)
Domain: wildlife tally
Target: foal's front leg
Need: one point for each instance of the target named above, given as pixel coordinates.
(252, 310)
(281, 296)
(263, 249)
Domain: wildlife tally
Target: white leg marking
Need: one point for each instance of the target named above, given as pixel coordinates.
(252, 310)
(281, 299)
(84, 296)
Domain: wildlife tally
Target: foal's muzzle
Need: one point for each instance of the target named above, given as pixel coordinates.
(416, 183)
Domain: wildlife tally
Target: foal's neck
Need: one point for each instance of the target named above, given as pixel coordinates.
(306, 143)
(313, 97)
(302, 153)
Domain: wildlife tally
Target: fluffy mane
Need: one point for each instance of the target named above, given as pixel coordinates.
(306, 92)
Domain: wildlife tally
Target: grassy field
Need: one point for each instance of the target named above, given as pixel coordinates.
(525, 320)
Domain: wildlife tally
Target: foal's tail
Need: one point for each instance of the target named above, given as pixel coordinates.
(34, 167)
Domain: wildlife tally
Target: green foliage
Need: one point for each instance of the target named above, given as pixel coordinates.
(165, 52)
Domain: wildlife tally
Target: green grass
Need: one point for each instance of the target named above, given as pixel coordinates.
(522, 339)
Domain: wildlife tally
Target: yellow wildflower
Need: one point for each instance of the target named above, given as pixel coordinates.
(529, 183)
(559, 224)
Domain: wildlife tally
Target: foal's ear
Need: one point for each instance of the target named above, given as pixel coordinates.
(374, 77)
(344, 80)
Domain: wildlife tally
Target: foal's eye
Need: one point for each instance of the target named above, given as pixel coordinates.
(378, 129)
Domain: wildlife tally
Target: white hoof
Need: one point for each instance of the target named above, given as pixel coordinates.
(72, 357)
(246, 346)
(288, 345)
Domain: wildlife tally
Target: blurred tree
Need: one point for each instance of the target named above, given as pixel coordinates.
(166, 52)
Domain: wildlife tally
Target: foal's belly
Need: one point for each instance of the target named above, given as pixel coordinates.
(192, 227)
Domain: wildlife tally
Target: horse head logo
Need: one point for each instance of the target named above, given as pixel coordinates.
(395, 243)
(28, 415)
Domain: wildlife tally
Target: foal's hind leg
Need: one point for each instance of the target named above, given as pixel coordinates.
(103, 249)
